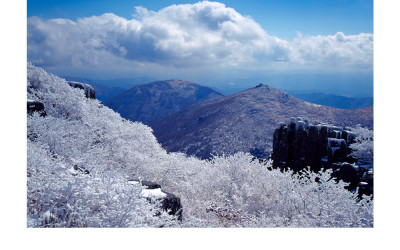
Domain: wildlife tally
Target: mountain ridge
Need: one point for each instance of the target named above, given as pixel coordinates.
(244, 121)
(152, 101)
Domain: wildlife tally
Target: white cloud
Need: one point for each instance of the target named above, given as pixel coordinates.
(205, 34)
(336, 50)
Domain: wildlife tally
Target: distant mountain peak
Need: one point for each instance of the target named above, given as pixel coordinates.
(150, 102)
(260, 85)
(178, 82)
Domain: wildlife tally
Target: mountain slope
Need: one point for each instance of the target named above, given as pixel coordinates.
(153, 101)
(335, 101)
(244, 122)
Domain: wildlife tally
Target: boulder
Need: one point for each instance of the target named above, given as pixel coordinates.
(349, 173)
(169, 202)
(172, 204)
(150, 185)
(366, 185)
(88, 90)
(35, 106)
(81, 169)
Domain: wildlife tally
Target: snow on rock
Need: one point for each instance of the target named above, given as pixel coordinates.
(133, 182)
(89, 90)
(35, 106)
(153, 193)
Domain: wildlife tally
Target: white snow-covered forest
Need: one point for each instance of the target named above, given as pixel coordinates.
(228, 191)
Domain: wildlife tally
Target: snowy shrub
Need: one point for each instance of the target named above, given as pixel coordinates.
(363, 148)
(81, 155)
(59, 196)
(247, 194)
(80, 133)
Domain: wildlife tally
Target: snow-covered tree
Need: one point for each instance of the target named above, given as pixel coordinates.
(363, 147)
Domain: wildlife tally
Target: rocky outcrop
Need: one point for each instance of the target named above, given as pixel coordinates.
(172, 204)
(349, 173)
(88, 90)
(169, 202)
(299, 144)
(35, 106)
(366, 186)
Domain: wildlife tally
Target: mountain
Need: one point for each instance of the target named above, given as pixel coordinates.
(103, 92)
(245, 122)
(153, 101)
(335, 101)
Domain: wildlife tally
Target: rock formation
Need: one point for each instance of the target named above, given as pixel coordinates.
(169, 202)
(298, 145)
(35, 106)
(89, 90)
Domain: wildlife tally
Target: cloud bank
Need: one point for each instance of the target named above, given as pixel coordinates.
(187, 37)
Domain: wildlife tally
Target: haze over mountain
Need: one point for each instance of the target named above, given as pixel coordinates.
(245, 122)
(335, 101)
(103, 91)
(153, 101)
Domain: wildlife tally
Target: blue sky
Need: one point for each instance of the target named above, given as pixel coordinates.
(226, 44)
(282, 18)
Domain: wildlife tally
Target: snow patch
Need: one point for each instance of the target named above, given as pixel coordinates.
(153, 193)
(312, 104)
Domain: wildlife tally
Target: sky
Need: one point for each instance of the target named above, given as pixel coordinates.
(313, 45)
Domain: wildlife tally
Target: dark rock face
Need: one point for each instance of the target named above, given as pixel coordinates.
(172, 204)
(337, 150)
(298, 144)
(150, 185)
(349, 173)
(169, 202)
(89, 90)
(35, 106)
(366, 186)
